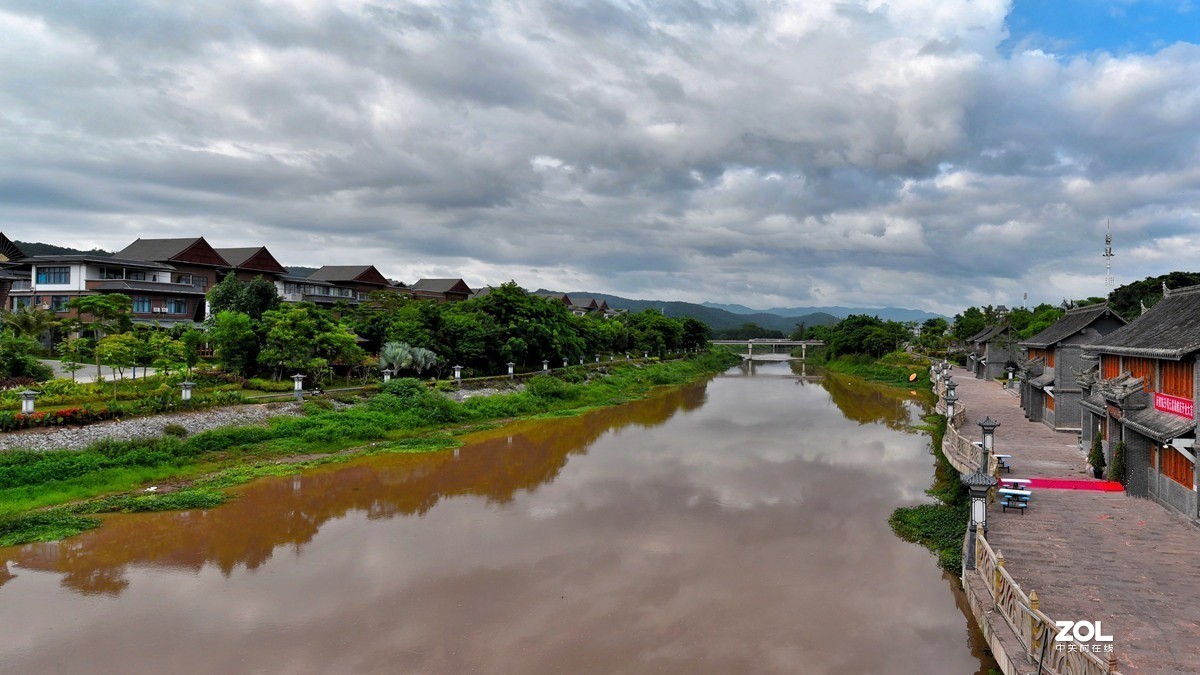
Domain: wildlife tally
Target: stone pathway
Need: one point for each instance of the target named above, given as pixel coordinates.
(1095, 556)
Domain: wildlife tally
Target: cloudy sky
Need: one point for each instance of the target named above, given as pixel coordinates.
(922, 153)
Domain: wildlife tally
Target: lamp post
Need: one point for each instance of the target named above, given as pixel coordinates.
(27, 397)
(545, 365)
(186, 390)
(597, 359)
(645, 355)
(612, 357)
(298, 386)
(978, 483)
(951, 400)
(626, 356)
(989, 441)
(581, 360)
(458, 375)
(387, 375)
(1010, 370)
(564, 363)
(510, 369)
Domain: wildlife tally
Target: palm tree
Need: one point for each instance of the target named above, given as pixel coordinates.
(402, 356)
(30, 321)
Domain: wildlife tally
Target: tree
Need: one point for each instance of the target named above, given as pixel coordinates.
(696, 334)
(17, 357)
(402, 356)
(252, 299)
(1119, 471)
(307, 339)
(191, 339)
(105, 314)
(72, 353)
(234, 342)
(30, 321)
(1096, 456)
(1127, 300)
(970, 322)
(118, 351)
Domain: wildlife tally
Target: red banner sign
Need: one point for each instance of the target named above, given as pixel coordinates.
(1174, 405)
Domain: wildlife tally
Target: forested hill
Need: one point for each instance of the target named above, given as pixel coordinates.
(717, 319)
(36, 248)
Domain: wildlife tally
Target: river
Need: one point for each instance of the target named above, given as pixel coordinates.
(733, 525)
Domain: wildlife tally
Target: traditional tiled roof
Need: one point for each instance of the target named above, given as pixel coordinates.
(184, 249)
(1159, 426)
(1168, 330)
(442, 286)
(1045, 379)
(990, 332)
(1074, 321)
(254, 258)
(360, 273)
(1095, 403)
(978, 335)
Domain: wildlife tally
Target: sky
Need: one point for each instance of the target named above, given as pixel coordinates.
(930, 154)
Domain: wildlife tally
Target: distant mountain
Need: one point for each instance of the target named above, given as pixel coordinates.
(885, 313)
(298, 271)
(35, 248)
(715, 317)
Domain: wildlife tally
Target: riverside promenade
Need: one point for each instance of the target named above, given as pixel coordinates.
(1092, 556)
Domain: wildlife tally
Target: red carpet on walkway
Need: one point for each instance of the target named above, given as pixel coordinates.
(1073, 484)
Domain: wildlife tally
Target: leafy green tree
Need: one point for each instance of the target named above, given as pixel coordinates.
(1127, 300)
(234, 342)
(696, 334)
(18, 357)
(72, 351)
(252, 299)
(306, 339)
(118, 351)
(1096, 456)
(1119, 471)
(191, 339)
(103, 315)
(30, 321)
(970, 322)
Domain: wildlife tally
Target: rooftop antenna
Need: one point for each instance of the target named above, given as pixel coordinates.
(1108, 256)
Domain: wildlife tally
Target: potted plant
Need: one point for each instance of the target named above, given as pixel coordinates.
(1096, 457)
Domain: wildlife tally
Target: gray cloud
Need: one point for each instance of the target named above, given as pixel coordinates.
(807, 152)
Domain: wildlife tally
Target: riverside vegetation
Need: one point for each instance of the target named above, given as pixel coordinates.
(46, 496)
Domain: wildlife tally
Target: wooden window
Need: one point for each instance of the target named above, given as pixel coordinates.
(1177, 378)
(1050, 357)
(1176, 467)
(1143, 368)
(1049, 405)
(1110, 366)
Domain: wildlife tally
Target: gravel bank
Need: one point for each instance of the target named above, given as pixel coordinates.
(74, 438)
(461, 395)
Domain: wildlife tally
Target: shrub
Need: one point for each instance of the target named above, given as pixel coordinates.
(550, 389)
(1096, 456)
(176, 430)
(316, 405)
(1119, 471)
(268, 385)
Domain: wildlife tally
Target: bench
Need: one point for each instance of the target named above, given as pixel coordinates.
(1007, 504)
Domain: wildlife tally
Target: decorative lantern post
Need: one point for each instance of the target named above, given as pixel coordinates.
(581, 360)
(564, 363)
(626, 356)
(545, 365)
(1010, 370)
(27, 397)
(458, 375)
(611, 358)
(951, 399)
(978, 483)
(387, 375)
(645, 355)
(510, 369)
(186, 390)
(989, 441)
(298, 386)
(597, 359)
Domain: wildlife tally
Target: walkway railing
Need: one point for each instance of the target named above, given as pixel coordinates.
(1033, 628)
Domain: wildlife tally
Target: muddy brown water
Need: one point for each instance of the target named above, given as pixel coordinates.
(734, 525)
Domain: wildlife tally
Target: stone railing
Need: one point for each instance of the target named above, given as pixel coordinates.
(1033, 628)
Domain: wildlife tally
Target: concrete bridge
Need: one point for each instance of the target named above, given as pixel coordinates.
(772, 350)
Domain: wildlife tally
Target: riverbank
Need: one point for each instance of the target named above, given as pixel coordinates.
(895, 368)
(51, 495)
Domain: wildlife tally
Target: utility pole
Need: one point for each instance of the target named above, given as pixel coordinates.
(1108, 256)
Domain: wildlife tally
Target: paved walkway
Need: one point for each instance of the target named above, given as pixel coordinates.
(88, 372)
(1094, 556)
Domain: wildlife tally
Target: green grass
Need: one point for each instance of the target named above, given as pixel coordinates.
(405, 417)
(894, 369)
(940, 526)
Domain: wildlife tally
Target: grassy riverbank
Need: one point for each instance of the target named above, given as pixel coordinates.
(894, 368)
(51, 495)
(939, 526)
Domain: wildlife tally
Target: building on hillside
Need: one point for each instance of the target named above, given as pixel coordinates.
(991, 351)
(193, 260)
(581, 306)
(159, 293)
(1142, 391)
(441, 290)
(482, 292)
(560, 297)
(331, 283)
(250, 262)
(1050, 389)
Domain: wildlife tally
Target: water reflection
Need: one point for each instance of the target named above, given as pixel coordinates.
(748, 534)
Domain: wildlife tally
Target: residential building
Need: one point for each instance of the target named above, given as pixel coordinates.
(581, 305)
(254, 261)
(193, 261)
(991, 351)
(1142, 391)
(441, 290)
(1050, 390)
(331, 283)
